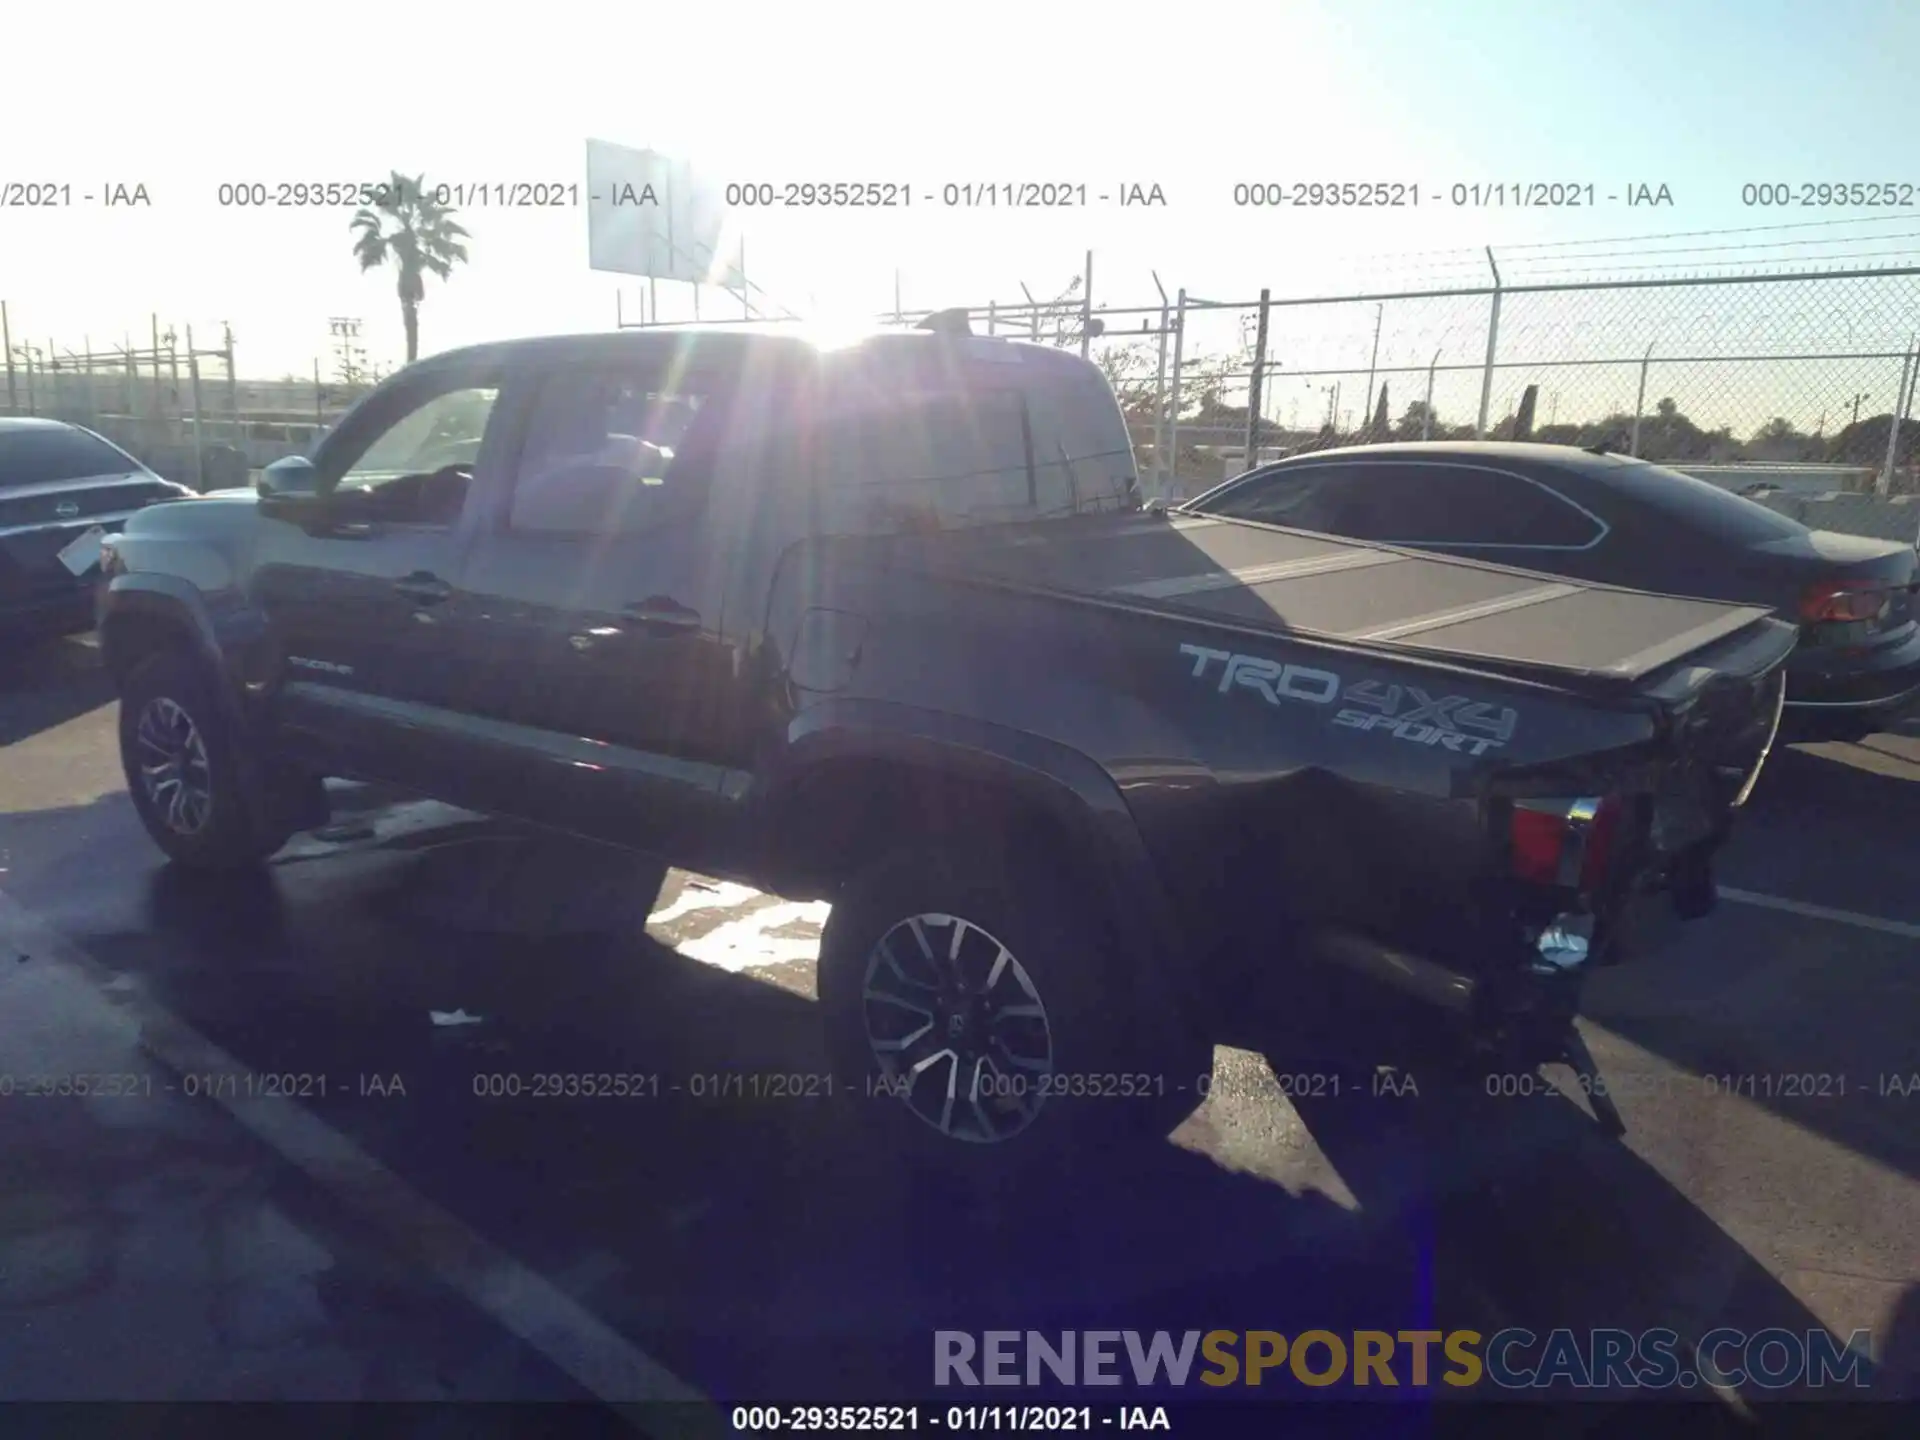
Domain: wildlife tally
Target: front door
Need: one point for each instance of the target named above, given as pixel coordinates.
(356, 595)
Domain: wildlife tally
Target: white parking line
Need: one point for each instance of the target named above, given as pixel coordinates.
(525, 1303)
(1822, 912)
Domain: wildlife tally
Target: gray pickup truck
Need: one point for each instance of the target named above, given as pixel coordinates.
(888, 624)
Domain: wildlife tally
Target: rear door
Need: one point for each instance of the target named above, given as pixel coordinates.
(589, 620)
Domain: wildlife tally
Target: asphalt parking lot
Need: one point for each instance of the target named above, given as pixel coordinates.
(372, 1225)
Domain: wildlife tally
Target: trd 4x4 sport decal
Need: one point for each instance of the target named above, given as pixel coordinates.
(1406, 712)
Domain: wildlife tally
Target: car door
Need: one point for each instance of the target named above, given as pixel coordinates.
(589, 619)
(354, 587)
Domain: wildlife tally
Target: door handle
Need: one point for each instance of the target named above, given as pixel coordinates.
(423, 588)
(661, 615)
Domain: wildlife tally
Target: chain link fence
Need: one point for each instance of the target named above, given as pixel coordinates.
(178, 407)
(1800, 377)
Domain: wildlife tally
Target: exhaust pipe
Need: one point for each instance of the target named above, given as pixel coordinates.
(1409, 974)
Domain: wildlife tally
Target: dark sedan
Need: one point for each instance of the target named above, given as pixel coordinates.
(1620, 521)
(58, 482)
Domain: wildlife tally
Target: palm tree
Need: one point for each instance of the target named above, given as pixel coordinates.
(417, 233)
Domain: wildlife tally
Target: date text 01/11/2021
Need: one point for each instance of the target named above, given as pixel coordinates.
(1406, 194)
(963, 1419)
(203, 1085)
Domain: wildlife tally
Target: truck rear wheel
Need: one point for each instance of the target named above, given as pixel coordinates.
(185, 770)
(977, 1005)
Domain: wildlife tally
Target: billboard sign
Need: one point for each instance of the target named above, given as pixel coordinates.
(650, 214)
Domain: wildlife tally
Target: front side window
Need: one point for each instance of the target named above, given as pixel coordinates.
(1301, 499)
(440, 432)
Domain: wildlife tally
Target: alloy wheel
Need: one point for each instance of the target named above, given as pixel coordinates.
(958, 1028)
(172, 758)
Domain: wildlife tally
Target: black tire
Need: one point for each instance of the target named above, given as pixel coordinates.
(223, 830)
(1144, 1071)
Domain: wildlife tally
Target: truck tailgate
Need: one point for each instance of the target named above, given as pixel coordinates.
(1264, 577)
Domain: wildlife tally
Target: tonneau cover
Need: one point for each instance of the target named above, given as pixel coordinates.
(1252, 574)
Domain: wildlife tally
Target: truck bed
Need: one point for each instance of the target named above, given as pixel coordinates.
(1261, 576)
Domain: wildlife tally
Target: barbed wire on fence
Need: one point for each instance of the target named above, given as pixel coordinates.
(1812, 361)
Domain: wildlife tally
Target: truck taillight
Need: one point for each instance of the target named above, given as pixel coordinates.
(1564, 842)
(1843, 601)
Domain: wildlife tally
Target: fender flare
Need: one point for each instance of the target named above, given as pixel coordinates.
(163, 597)
(178, 604)
(1069, 785)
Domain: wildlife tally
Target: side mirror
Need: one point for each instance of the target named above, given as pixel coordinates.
(289, 483)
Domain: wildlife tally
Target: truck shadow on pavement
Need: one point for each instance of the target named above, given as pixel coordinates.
(763, 1245)
(47, 683)
(1807, 1017)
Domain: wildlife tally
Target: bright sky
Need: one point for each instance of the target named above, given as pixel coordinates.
(1696, 95)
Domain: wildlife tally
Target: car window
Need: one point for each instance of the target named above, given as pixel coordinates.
(38, 456)
(1697, 504)
(1300, 498)
(1082, 455)
(444, 429)
(1409, 504)
(614, 452)
(925, 461)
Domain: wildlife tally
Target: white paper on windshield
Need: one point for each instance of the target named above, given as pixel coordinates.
(82, 553)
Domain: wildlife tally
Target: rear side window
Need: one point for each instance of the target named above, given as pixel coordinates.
(615, 451)
(926, 461)
(1406, 504)
(1082, 454)
(37, 457)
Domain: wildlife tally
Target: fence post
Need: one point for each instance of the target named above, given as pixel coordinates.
(1426, 420)
(1640, 401)
(1086, 309)
(6, 342)
(319, 397)
(33, 406)
(157, 420)
(199, 452)
(1884, 485)
(1493, 339)
(233, 386)
(993, 316)
(1373, 365)
(1173, 398)
(1252, 456)
(1160, 398)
